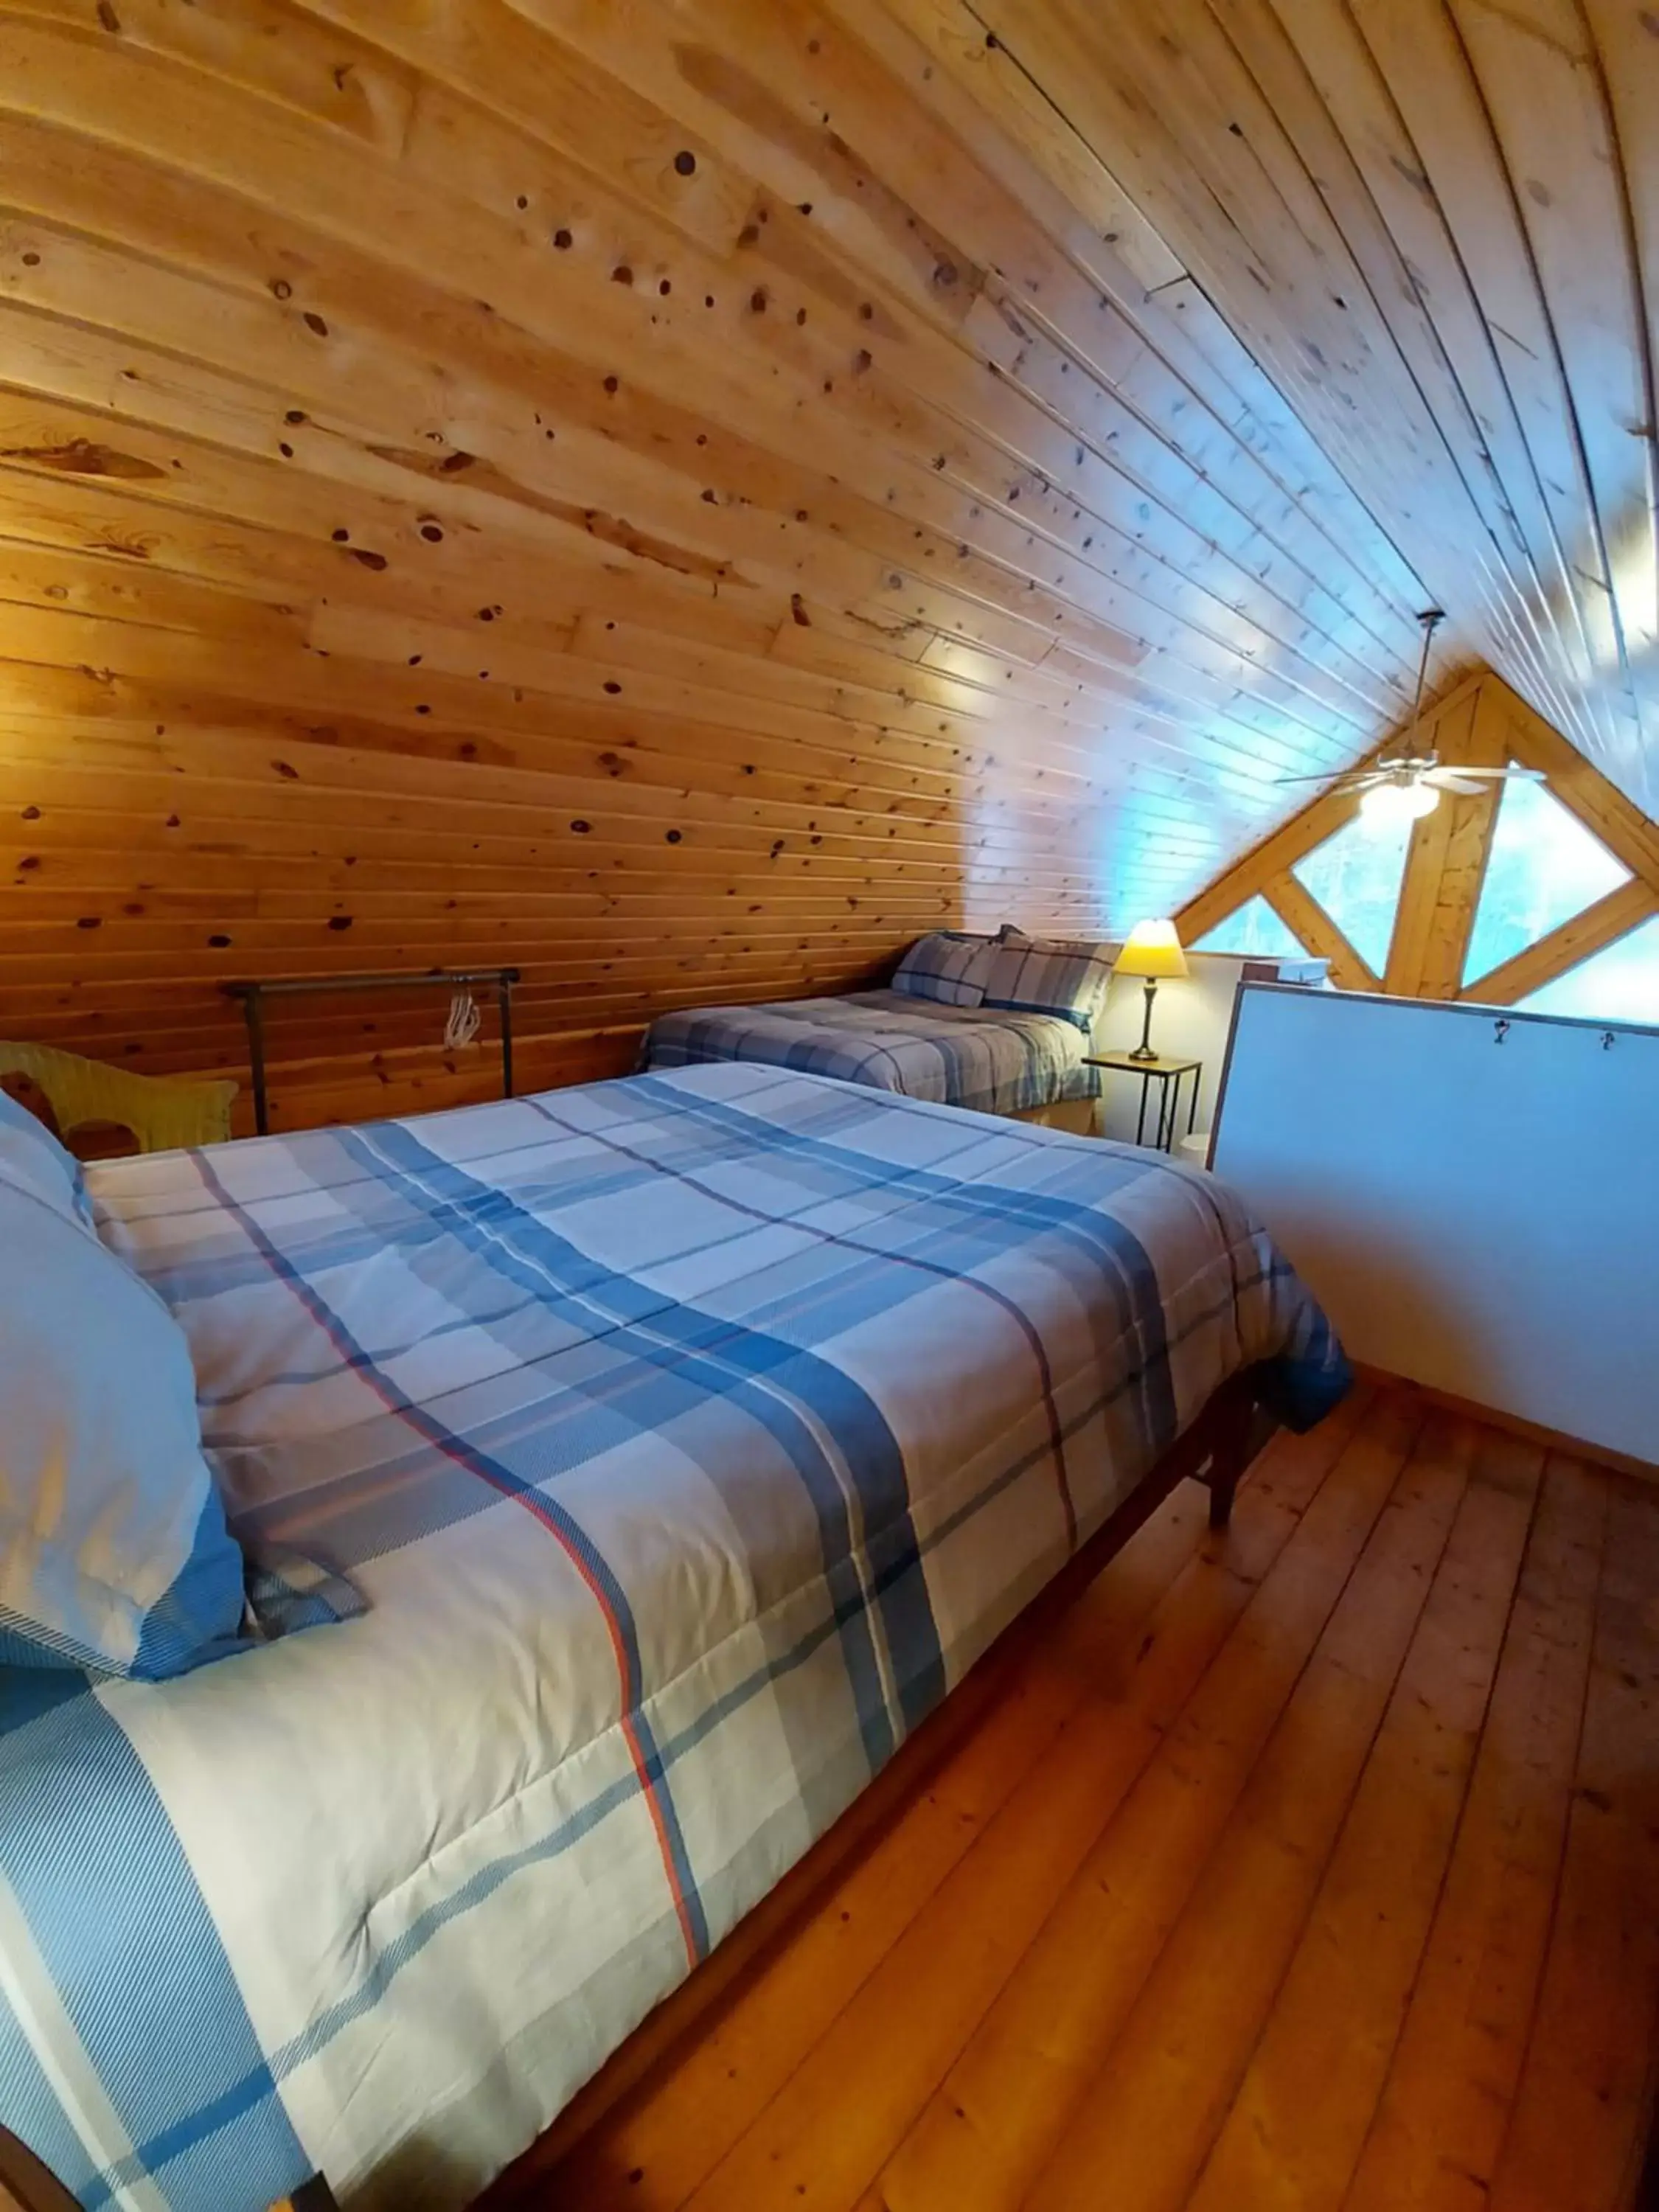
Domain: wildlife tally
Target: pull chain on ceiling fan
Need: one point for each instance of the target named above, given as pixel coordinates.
(1408, 786)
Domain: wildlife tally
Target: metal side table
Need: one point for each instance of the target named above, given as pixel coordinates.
(1169, 1075)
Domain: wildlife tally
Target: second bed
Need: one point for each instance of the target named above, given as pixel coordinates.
(999, 1025)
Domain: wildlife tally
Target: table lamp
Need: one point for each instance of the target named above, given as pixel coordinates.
(1152, 949)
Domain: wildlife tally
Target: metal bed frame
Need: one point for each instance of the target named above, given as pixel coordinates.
(253, 996)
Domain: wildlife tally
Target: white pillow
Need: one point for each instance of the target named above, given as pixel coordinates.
(113, 1550)
(32, 1159)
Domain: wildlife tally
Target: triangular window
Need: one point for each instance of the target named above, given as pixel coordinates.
(1544, 867)
(1356, 877)
(1254, 928)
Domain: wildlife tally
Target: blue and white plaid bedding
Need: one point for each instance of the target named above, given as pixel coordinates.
(996, 1063)
(684, 1439)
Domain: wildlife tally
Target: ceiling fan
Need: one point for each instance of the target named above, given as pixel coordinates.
(1407, 785)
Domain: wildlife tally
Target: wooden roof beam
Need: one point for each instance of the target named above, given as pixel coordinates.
(1575, 941)
(1301, 913)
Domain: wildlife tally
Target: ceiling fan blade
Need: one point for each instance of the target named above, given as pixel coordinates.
(1443, 779)
(1336, 781)
(1512, 773)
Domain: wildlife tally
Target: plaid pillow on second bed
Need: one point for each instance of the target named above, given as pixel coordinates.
(947, 966)
(1025, 976)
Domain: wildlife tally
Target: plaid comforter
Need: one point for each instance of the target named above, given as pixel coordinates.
(1000, 1062)
(680, 1441)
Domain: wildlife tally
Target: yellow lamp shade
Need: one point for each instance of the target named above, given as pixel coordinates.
(1152, 949)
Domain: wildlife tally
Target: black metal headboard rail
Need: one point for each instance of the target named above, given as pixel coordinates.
(254, 995)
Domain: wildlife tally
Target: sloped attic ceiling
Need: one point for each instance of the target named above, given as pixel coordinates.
(684, 494)
(1435, 225)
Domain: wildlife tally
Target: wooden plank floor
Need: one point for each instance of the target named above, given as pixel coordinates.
(1314, 1867)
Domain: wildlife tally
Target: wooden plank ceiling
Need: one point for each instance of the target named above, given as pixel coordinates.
(684, 495)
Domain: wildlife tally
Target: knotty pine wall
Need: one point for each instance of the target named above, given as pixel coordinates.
(679, 495)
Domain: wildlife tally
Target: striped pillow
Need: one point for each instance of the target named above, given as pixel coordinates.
(1025, 976)
(945, 966)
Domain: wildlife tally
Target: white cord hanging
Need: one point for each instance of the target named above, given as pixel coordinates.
(464, 1021)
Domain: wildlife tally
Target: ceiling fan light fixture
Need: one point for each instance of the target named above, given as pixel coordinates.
(1408, 800)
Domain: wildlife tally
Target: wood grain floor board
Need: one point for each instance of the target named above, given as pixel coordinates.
(1165, 2084)
(1304, 2107)
(976, 2146)
(1575, 2128)
(1435, 2138)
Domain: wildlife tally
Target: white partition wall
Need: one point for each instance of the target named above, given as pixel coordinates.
(1473, 1193)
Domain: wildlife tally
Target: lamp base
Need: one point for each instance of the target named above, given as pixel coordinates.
(1144, 1049)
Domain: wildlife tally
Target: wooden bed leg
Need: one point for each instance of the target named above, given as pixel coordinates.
(1224, 1488)
(1244, 1429)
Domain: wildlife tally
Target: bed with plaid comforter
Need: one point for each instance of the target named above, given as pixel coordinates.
(671, 1446)
(994, 1060)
